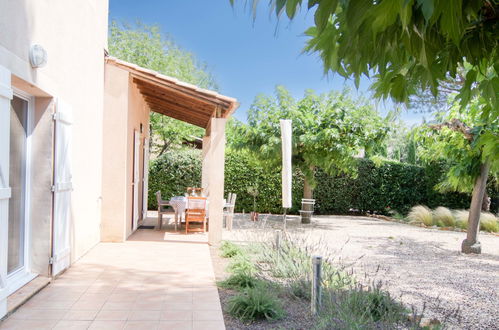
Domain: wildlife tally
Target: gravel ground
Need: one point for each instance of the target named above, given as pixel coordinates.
(423, 266)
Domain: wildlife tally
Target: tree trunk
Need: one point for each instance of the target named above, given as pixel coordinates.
(471, 244)
(486, 202)
(308, 192)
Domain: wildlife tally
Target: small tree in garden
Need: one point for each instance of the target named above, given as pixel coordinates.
(146, 46)
(329, 130)
(416, 45)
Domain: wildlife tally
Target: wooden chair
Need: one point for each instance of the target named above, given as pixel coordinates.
(162, 209)
(229, 210)
(195, 212)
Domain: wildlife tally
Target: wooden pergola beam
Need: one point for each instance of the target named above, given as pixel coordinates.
(178, 110)
(167, 102)
(176, 115)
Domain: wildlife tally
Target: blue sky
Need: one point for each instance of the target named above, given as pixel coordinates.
(246, 57)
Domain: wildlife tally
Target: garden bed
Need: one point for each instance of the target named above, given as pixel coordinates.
(262, 287)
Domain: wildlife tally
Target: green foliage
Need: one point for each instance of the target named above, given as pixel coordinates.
(463, 153)
(172, 173)
(255, 304)
(421, 214)
(443, 217)
(241, 264)
(358, 308)
(243, 170)
(489, 222)
(229, 250)
(239, 281)
(382, 189)
(388, 187)
(148, 47)
(328, 130)
(422, 43)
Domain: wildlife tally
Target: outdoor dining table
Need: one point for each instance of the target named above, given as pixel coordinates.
(179, 205)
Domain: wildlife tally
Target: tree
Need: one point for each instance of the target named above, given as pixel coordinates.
(410, 46)
(329, 131)
(146, 46)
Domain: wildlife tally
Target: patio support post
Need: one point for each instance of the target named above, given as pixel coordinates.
(215, 179)
(205, 165)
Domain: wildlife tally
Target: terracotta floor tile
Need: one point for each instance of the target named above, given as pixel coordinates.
(80, 315)
(13, 324)
(208, 325)
(112, 315)
(175, 325)
(72, 325)
(176, 315)
(141, 325)
(144, 315)
(107, 325)
(207, 316)
(118, 306)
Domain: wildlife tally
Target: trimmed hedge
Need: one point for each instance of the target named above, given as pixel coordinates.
(391, 186)
(172, 173)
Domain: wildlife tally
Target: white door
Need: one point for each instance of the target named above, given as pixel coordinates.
(135, 183)
(5, 191)
(145, 178)
(62, 188)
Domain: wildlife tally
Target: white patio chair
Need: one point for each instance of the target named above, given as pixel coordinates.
(229, 210)
(162, 209)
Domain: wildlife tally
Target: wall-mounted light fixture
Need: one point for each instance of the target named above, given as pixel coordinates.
(37, 56)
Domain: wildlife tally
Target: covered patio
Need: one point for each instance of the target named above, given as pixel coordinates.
(131, 92)
(150, 281)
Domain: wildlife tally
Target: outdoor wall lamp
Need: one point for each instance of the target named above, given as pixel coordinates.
(37, 56)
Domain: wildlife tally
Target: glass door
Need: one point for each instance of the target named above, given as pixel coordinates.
(17, 203)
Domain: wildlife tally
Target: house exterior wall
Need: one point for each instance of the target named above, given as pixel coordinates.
(138, 113)
(114, 154)
(124, 112)
(74, 34)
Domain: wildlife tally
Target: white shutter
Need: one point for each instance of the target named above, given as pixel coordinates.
(136, 153)
(5, 97)
(145, 178)
(61, 245)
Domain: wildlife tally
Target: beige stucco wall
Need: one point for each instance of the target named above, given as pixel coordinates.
(124, 112)
(74, 34)
(114, 153)
(138, 113)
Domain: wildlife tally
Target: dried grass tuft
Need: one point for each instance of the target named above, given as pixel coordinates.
(443, 217)
(421, 214)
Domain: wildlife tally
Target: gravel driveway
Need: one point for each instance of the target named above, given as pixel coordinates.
(423, 266)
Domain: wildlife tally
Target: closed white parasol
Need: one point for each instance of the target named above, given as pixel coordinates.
(286, 162)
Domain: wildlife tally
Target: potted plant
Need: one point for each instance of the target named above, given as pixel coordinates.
(253, 191)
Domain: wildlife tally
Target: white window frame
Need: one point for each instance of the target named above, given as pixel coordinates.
(23, 275)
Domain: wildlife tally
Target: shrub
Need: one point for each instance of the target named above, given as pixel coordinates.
(443, 217)
(239, 281)
(241, 265)
(420, 214)
(172, 173)
(461, 218)
(254, 304)
(489, 222)
(361, 308)
(229, 250)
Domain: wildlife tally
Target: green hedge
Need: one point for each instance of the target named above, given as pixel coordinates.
(391, 186)
(172, 173)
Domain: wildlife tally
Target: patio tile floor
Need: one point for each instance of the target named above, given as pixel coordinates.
(155, 280)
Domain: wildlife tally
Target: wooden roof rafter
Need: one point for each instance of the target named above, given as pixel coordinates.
(176, 99)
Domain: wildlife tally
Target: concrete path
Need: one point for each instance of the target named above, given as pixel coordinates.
(155, 280)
